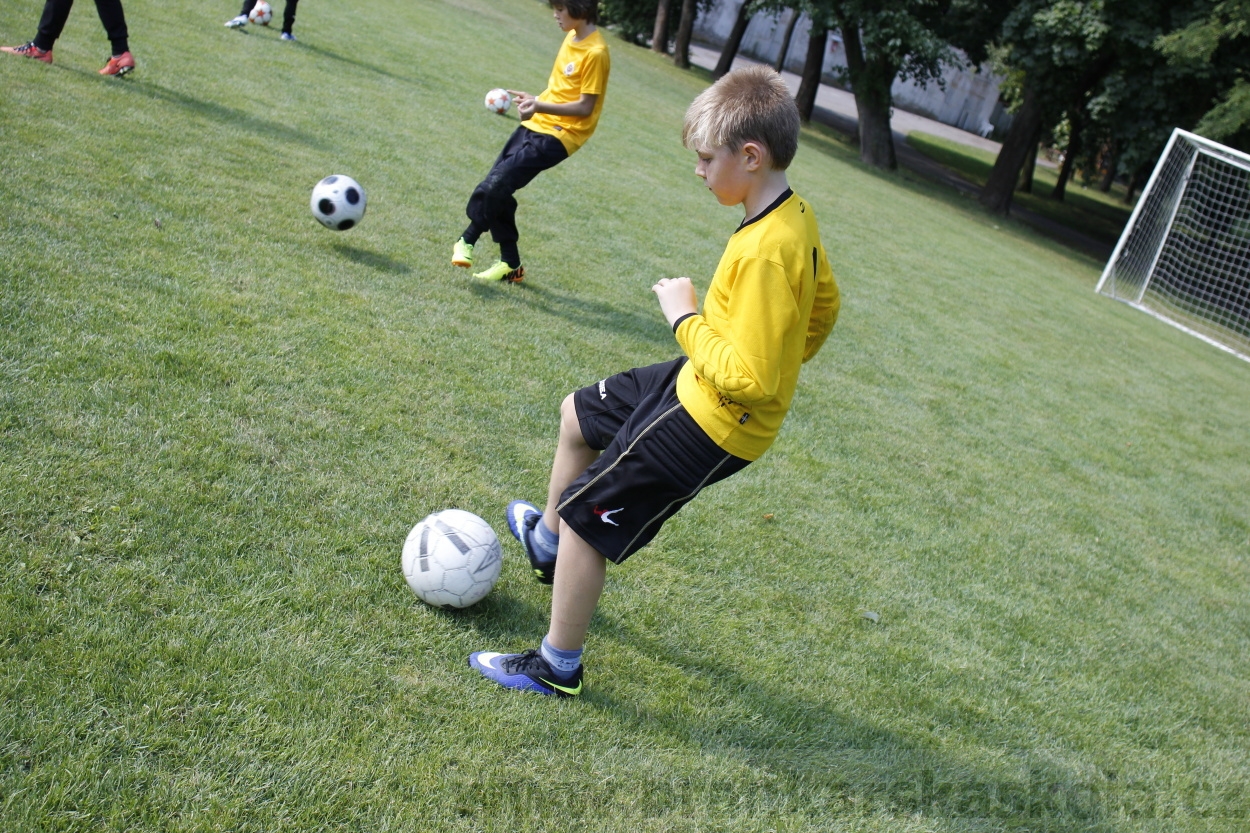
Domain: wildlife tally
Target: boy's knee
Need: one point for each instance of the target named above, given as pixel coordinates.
(570, 428)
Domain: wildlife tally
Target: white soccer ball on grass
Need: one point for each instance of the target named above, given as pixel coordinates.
(338, 202)
(452, 559)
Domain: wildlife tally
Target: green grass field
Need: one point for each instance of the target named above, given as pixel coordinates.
(992, 577)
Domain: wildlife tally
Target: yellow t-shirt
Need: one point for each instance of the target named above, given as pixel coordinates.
(580, 67)
(769, 308)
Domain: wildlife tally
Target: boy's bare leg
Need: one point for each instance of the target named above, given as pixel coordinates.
(573, 455)
(580, 573)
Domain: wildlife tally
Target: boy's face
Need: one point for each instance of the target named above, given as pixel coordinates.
(566, 21)
(727, 173)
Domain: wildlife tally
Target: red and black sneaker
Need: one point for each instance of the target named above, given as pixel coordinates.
(119, 64)
(29, 50)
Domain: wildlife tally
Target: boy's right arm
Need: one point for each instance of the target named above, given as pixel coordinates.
(527, 105)
(677, 298)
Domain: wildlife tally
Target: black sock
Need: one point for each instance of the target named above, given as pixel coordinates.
(510, 254)
(471, 234)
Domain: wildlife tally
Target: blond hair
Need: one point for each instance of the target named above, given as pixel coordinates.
(751, 104)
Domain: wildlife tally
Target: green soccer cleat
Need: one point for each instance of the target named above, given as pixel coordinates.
(501, 272)
(462, 254)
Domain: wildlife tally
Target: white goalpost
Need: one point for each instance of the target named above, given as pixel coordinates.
(1184, 256)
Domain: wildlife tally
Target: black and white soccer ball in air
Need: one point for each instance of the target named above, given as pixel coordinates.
(452, 559)
(338, 202)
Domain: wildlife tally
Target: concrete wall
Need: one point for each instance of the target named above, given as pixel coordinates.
(969, 102)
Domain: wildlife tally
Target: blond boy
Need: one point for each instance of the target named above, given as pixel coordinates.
(636, 447)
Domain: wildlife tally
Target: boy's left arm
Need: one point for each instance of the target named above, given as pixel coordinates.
(825, 307)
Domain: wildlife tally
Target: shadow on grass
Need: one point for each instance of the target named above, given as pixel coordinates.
(373, 260)
(821, 749)
(507, 622)
(582, 311)
(326, 53)
(220, 113)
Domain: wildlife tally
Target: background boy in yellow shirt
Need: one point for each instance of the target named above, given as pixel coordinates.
(671, 429)
(554, 124)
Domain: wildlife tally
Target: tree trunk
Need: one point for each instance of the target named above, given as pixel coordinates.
(871, 80)
(730, 50)
(1130, 192)
(1110, 161)
(780, 63)
(1069, 158)
(685, 31)
(1020, 142)
(813, 65)
(1030, 168)
(659, 35)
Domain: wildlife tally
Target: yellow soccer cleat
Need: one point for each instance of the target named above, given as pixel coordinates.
(462, 254)
(502, 272)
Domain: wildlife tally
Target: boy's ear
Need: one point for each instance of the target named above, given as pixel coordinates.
(754, 157)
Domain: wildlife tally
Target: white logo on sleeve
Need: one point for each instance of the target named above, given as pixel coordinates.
(603, 389)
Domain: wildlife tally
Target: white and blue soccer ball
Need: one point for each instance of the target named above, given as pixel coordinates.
(498, 101)
(338, 202)
(261, 13)
(452, 559)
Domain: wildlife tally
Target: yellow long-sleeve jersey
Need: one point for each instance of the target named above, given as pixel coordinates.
(769, 308)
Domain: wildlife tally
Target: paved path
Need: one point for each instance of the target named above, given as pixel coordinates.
(836, 108)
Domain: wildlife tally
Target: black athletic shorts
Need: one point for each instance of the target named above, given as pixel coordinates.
(655, 459)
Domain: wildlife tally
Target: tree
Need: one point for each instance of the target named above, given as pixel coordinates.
(1219, 39)
(780, 63)
(1132, 110)
(1053, 51)
(659, 34)
(813, 66)
(1020, 142)
(631, 19)
(1070, 154)
(912, 40)
(685, 31)
(1095, 68)
(730, 50)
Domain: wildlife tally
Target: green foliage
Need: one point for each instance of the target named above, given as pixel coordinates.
(1229, 120)
(1098, 65)
(633, 20)
(1218, 44)
(898, 34)
(1054, 43)
(215, 433)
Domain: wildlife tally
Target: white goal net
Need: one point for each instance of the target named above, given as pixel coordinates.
(1184, 256)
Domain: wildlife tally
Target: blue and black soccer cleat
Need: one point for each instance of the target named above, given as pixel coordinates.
(526, 672)
(523, 516)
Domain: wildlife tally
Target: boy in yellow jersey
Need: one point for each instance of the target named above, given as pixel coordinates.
(636, 447)
(554, 124)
